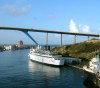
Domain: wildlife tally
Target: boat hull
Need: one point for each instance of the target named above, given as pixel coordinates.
(46, 60)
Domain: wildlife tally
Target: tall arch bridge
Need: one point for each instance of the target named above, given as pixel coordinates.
(25, 30)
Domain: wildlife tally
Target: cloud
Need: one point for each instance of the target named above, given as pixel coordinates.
(15, 11)
(86, 29)
(72, 26)
(81, 28)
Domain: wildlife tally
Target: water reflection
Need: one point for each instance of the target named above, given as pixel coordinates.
(17, 71)
(44, 69)
(48, 76)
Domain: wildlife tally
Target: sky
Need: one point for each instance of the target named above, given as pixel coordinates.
(64, 15)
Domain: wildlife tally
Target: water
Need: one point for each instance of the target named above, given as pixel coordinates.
(17, 71)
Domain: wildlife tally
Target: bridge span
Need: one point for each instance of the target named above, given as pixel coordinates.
(25, 30)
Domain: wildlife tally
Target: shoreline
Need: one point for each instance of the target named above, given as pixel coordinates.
(91, 75)
(76, 67)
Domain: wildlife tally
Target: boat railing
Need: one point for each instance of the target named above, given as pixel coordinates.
(45, 52)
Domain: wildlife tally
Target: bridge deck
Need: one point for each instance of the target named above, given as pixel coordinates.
(48, 31)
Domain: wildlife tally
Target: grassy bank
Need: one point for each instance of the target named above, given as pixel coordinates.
(83, 50)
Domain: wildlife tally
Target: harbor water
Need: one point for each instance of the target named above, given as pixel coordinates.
(17, 71)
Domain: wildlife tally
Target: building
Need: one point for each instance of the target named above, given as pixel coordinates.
(94, 64)
(8, 47)
(20, 44)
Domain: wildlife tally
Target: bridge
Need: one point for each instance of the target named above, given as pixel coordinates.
(25, 30)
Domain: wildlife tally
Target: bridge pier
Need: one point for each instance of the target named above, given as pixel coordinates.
(47, 40)
(26, 33)
(75, 39)
(61, 40)
(99, 37)
(88, 38)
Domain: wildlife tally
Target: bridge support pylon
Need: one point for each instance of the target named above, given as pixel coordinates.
(26, 32)
(88, 38)
(47, 40)
(75, 39)
(61, 40)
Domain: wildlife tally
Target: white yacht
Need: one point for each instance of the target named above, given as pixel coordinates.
(45, 57)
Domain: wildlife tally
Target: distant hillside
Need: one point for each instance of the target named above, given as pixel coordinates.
(83, 50)
(93, 41)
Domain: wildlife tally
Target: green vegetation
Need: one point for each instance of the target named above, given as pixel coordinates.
(84, 50)
(94, 39)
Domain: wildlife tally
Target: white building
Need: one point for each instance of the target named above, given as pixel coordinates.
(19, 44)
(94, 64)
(8, 47)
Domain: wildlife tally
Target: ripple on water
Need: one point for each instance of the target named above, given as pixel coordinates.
(16, 71)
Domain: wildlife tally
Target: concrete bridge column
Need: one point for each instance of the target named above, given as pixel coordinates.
(75, 39)
(61, 40)
(99, 37)
(88, 38)
(47, 39)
